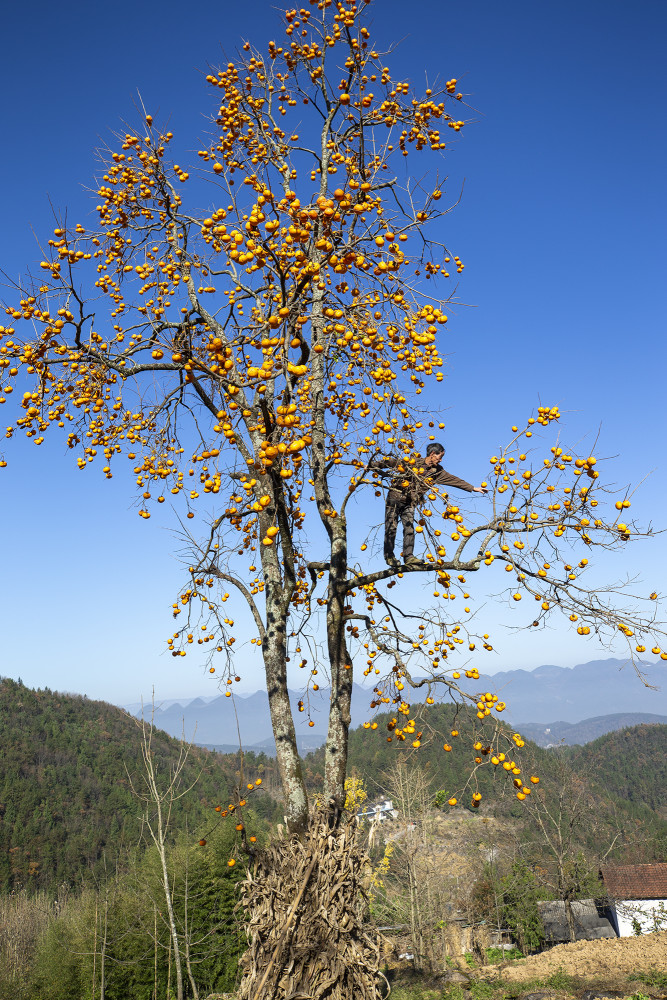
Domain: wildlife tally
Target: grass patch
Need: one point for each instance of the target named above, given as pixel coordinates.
(496, 955)
(416, 993)
(559, 982)
(481, 991)
(656, 978)
(453, 991)
(477, 990)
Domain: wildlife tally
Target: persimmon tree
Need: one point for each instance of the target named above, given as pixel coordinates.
(266, 361)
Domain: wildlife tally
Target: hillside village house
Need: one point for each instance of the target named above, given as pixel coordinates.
(638, 894)
(379, 811)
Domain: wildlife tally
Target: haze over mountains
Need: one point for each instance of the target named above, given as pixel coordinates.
(577, 733)
(546, 704)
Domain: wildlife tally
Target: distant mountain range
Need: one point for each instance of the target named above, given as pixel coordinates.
(570, 693)
(577, 733)
(549, 692)
(218, 723)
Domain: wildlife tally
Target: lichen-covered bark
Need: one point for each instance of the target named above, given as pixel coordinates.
(282, 722)
(340, 664)
(279, 591)
(335, 754)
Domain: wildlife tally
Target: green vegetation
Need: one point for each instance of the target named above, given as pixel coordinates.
(640, 753)
(496, 955)
(84, 906)
(114, 934)
(653, 978)
(84, 899)
(67, 811)
(560, 982)
(480, 990)
(414, 992)
(520, 891)
(630, 763)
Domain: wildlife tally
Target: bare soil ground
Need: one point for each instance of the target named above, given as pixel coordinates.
(607, 959)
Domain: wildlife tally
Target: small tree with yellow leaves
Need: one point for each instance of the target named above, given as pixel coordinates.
(261, 360)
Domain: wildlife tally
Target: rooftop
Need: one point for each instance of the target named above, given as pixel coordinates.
(636, 881)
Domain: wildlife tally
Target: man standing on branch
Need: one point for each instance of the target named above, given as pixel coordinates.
(407, 491)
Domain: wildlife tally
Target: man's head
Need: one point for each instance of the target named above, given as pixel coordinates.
(434, 453)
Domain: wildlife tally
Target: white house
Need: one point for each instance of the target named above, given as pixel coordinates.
(378, 811)
(638, 897)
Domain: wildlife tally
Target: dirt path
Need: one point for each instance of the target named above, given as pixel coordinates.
(604, 959)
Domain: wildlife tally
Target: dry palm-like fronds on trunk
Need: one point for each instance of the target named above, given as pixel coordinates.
(304, 898)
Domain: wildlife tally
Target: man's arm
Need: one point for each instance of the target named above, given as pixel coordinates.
(384, 462)
(445, 478)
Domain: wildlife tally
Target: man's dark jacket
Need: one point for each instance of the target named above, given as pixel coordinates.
(412, 485)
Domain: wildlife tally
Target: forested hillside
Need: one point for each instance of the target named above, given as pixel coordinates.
(624, 775)
(631, 763)
(66, 802)
(67, 807)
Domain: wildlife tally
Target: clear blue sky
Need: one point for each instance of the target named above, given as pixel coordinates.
(561, 228)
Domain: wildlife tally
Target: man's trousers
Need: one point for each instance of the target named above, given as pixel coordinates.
(403, 508)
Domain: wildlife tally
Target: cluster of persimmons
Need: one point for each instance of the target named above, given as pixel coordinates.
(259, 358)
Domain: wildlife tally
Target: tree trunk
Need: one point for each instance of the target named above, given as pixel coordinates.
(335, 752)
(154, 952)
(95, 949)
(282, 723)
(103, 953)
(172, 919)
(186, 936)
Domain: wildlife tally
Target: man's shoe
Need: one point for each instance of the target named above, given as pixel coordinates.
(392, 561)
(413, 561)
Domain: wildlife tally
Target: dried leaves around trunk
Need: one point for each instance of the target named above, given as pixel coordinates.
(305, 902)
